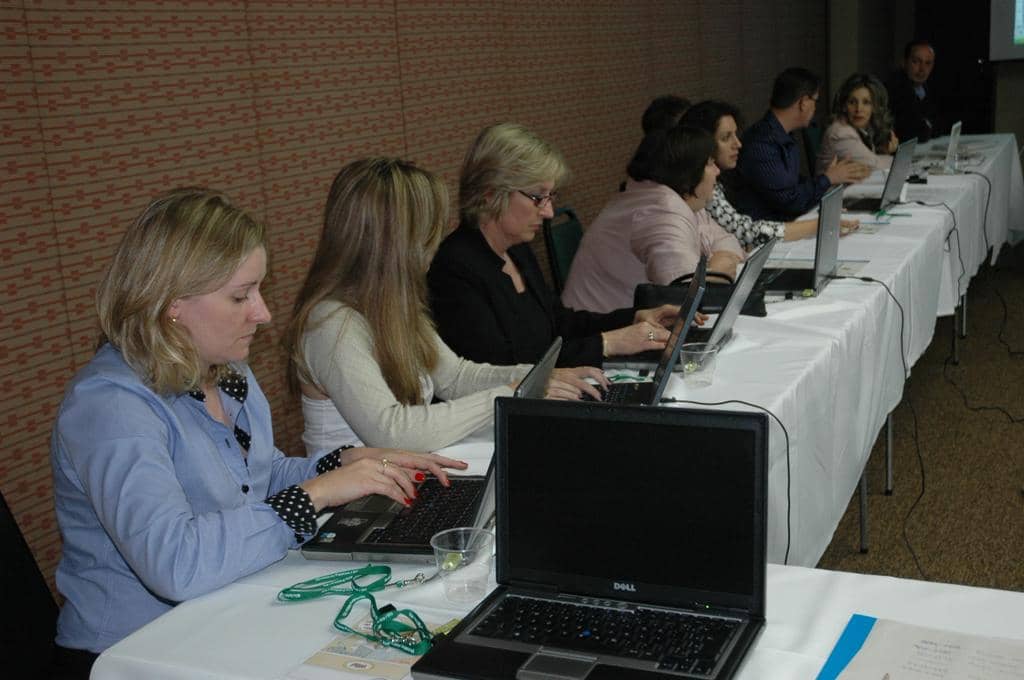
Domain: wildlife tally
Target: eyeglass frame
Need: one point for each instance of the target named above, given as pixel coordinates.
(540, 200)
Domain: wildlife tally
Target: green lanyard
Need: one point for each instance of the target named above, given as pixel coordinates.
(387, 630)
(412, 638)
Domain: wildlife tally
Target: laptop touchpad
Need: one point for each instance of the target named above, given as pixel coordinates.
(546, 665)
(373, 503)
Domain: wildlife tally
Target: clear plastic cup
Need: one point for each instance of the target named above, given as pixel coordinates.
(698, 360)
(464, 556)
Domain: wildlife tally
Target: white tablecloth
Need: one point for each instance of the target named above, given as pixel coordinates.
(242, 632)
(996, 157)
(830, 368)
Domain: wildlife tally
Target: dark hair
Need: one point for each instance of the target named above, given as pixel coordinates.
(909, 47)
(791, 84)
(674, 157)
(664, 112)
(706, 114)
(880, 125)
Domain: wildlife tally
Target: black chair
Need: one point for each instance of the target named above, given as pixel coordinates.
(562, 235)
(811, 136)
(30, 612)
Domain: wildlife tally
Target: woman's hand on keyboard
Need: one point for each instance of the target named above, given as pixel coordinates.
(412, 462)
(572, 383)
(388, 472)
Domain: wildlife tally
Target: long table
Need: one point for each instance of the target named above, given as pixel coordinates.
(831, 368)
(242, 632)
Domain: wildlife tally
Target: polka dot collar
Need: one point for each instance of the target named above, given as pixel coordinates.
(234, 385)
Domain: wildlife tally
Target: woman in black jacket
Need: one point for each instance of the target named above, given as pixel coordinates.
(488, 296)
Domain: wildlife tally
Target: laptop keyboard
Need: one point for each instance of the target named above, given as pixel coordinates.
(617, 393)
(437, 508)
(674, 640)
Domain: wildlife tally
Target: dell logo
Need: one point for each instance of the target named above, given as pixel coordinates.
(628, 587)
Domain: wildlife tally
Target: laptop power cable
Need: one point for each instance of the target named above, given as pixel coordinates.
(913, 412)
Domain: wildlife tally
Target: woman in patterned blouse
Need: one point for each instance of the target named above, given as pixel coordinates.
(721, 120)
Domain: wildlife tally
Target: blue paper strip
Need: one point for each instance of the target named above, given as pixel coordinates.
(849, 643)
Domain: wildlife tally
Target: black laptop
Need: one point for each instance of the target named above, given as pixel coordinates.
(379, 529)
(899, 171)
(793, 281)
(649, 392)
(721, 332)
(650, 360)
(657, 571)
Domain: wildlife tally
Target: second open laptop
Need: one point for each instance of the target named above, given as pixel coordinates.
(898, 173)
(379, 529)
(649, 360)
(604, 575)
(650, 392)
(807, 282)
(721, 332)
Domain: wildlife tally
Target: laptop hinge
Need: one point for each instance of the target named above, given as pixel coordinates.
(543, 588)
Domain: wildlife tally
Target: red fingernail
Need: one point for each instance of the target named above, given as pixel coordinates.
(408, 501)
(420, 476)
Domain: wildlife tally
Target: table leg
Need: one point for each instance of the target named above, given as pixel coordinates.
(956, 332)
(963, 315)
(888, 454)
(864, 512)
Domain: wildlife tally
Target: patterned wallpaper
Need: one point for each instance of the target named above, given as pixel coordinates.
(105, 103)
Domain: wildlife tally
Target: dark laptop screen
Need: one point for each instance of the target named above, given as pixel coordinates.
(652, 504)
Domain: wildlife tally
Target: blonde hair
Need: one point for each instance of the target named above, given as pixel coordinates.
(186, 242)
(505, 158)
(383, 222)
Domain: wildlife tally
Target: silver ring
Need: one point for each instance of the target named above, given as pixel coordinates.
(650, 335)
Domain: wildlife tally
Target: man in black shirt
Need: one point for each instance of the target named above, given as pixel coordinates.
(914, 107)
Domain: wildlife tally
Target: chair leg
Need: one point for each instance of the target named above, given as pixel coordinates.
(864, 513)
(888, 454)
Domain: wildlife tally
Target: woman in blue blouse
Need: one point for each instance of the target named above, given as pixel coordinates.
(167, 482)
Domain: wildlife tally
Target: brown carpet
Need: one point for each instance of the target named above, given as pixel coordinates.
(968, 526)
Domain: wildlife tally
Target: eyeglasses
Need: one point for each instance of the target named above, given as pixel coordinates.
(540, 200)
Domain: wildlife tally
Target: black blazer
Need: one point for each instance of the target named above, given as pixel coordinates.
(475, 307)
(913, 117)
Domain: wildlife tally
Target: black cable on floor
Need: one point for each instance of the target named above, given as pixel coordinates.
(789, 500)
(1002, 327)
(920, 495)
(976, 409)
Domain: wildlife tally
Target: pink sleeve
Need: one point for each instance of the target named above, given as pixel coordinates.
(668, 245)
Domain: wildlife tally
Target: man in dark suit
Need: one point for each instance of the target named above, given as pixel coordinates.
(914, 107)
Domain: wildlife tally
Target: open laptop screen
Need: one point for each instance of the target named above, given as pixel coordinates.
(826, 253)
(670, 508)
